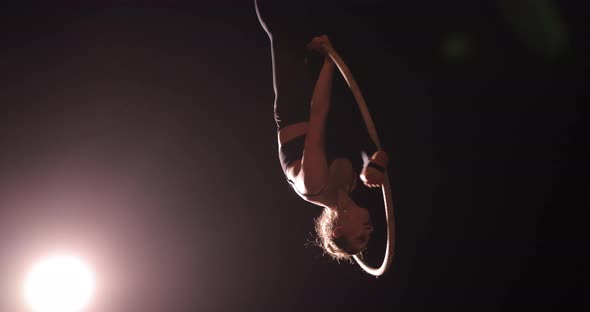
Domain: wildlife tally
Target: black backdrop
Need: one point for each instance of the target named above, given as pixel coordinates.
(140, 135)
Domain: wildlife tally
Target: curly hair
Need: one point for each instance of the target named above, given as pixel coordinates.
(338, 248)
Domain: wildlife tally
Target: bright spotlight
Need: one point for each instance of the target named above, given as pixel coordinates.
(59, 284)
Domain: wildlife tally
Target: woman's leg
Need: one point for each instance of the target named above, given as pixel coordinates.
(290, 26)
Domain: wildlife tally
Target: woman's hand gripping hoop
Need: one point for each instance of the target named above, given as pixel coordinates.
(386, 189)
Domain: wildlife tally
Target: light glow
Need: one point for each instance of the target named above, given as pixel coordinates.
(61, 283)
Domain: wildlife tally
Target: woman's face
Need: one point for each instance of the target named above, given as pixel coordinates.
(355, 226)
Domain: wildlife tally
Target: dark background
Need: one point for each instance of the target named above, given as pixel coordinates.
(140, 135)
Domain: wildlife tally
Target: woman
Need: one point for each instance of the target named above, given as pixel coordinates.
(319, 165)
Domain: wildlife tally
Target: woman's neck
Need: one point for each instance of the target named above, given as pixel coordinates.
(343, 200)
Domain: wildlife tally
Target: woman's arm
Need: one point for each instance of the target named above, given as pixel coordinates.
(313, 174)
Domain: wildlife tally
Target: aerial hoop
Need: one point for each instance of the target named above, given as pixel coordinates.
(386, 189)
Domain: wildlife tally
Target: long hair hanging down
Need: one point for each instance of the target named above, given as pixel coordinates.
(337, 248)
